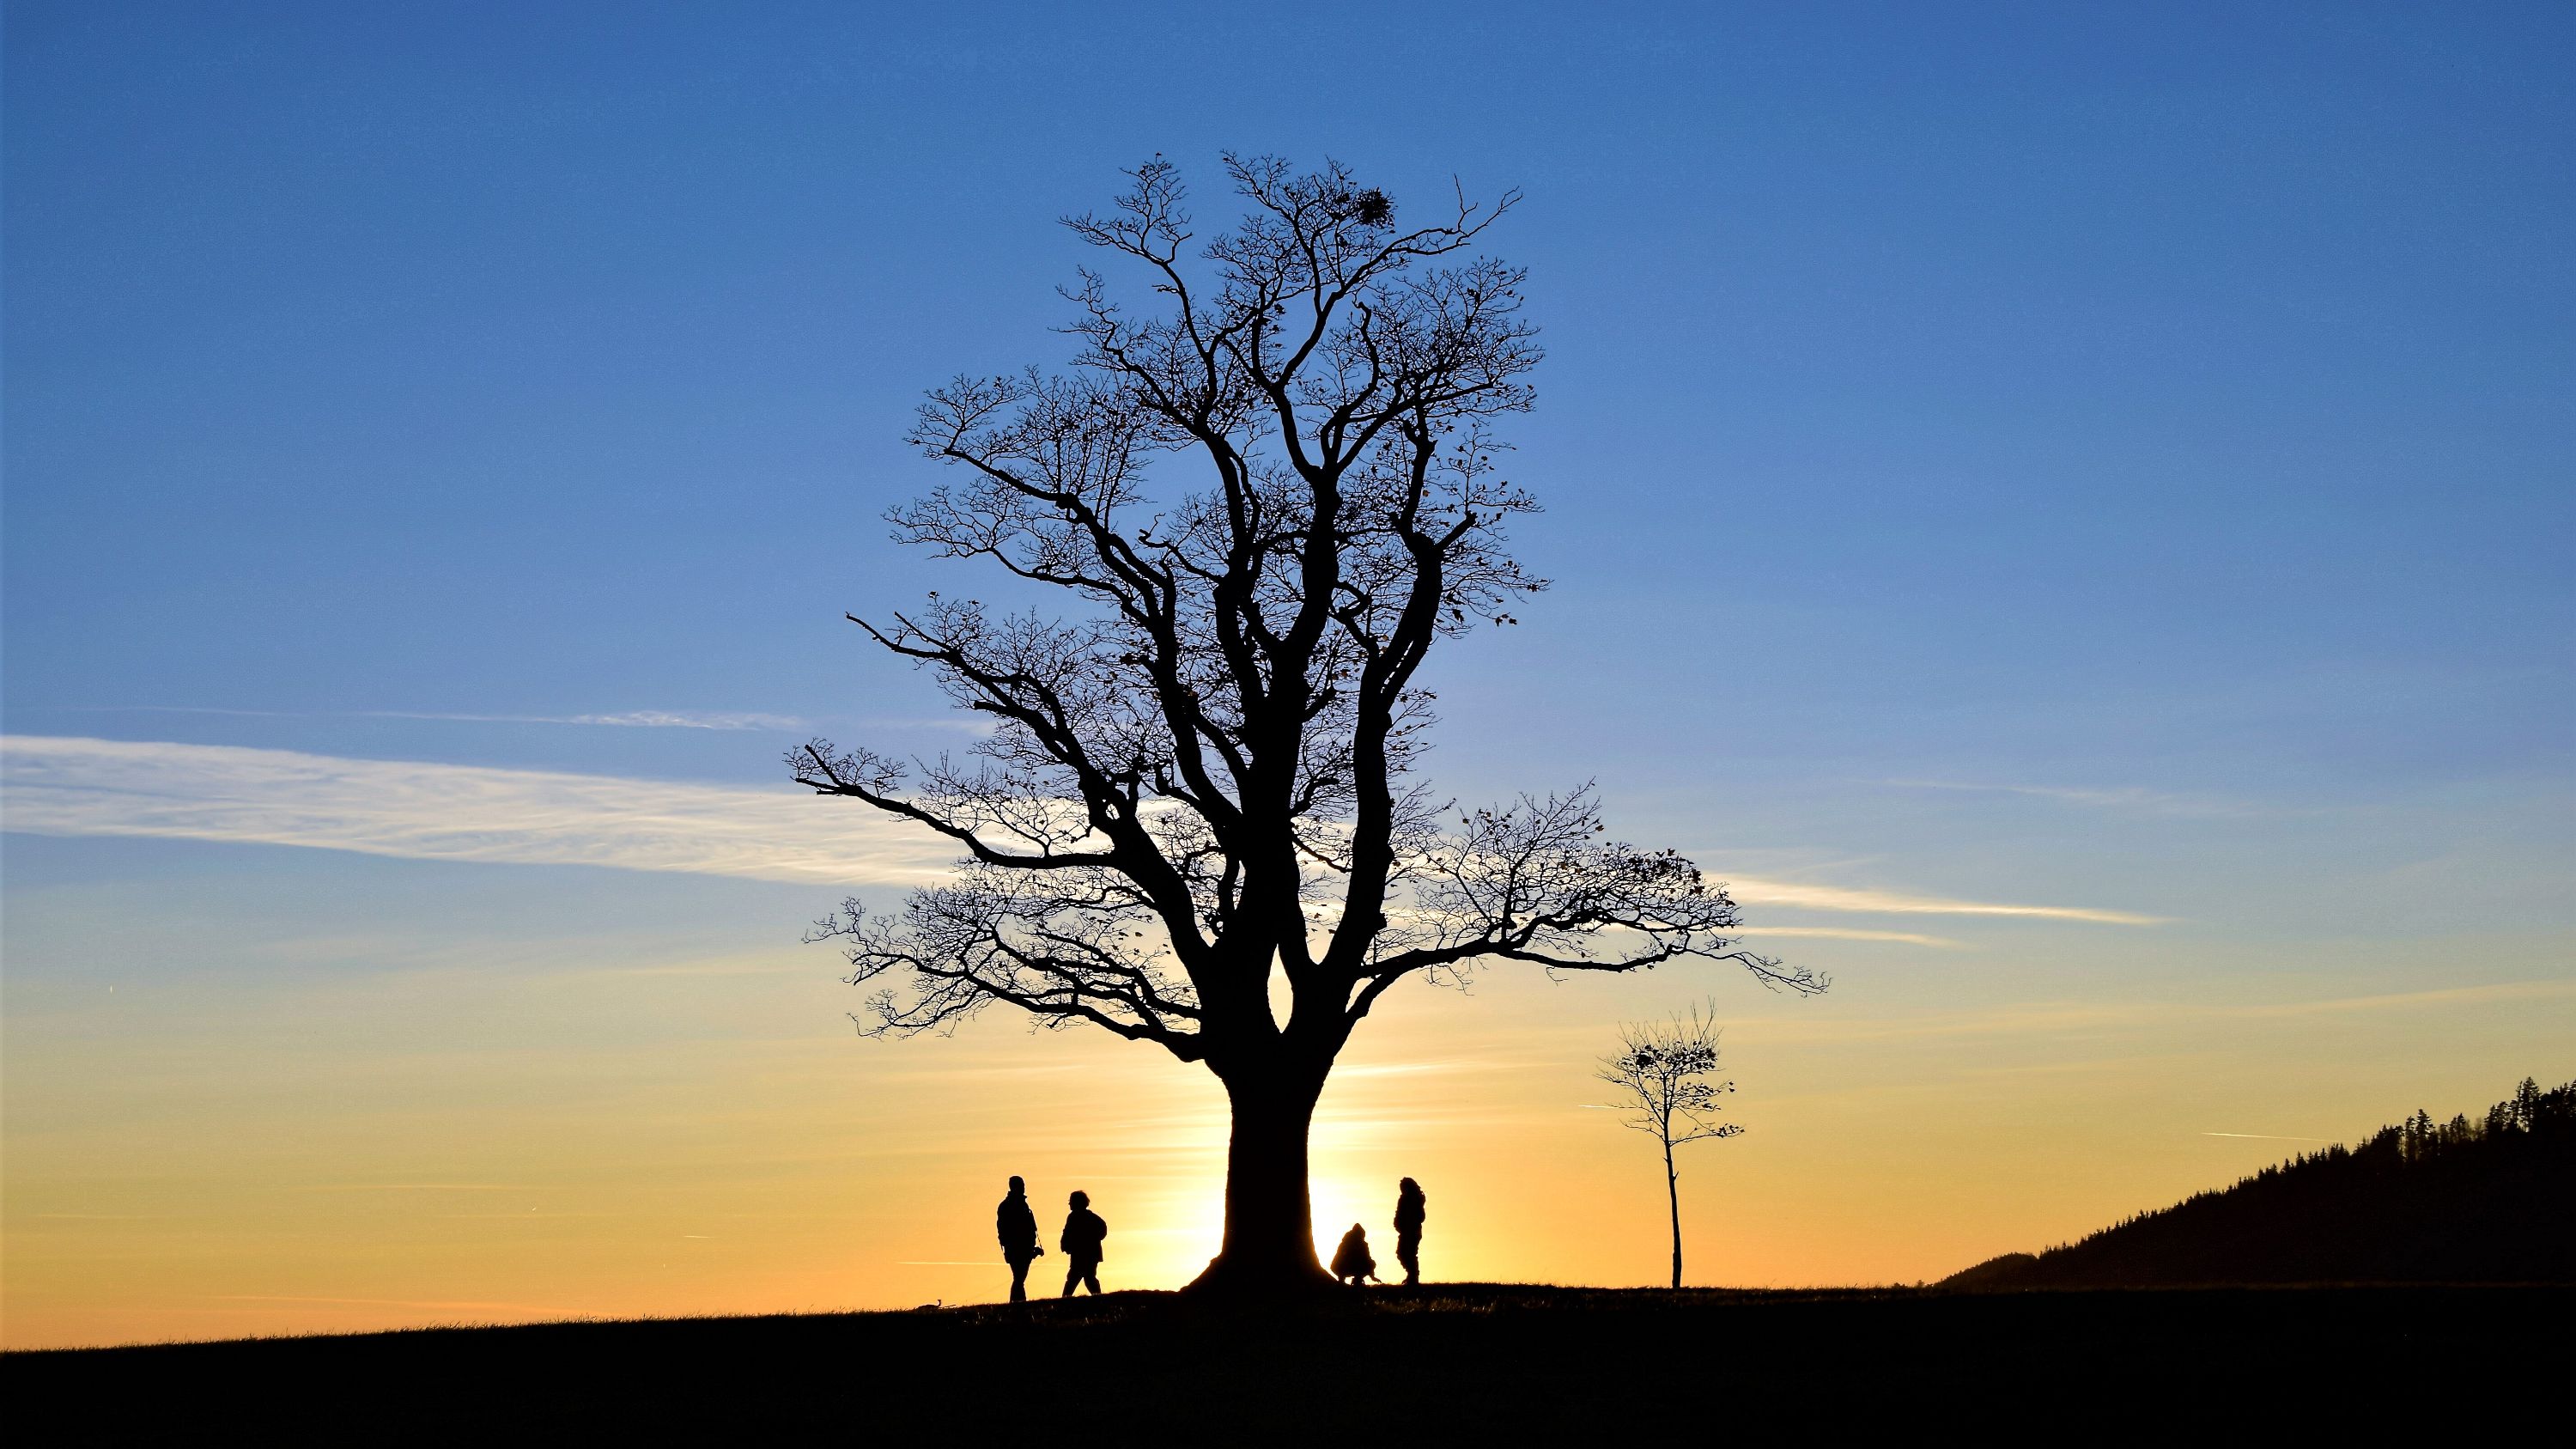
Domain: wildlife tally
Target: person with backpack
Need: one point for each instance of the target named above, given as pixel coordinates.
(1083, 1233)
(1017, 1227)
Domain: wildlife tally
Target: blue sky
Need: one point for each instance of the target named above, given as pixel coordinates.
(2150, 399)
(2108, 457)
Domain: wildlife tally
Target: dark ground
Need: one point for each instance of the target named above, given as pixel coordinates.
(1444, 1365)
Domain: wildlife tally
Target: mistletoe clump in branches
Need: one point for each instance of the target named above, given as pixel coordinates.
(1203, 771)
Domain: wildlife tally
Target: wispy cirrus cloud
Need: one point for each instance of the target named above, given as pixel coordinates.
(2118, 797)
(682, 719)
(1900, 903)
(1846, 933)
(652, 719)
(477, 1305)
(2150, 1017)
(64, 786)
(54, 785)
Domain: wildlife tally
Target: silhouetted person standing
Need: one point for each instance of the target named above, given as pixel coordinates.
(1409, 1204)
(1083, 1234)
(1017, 1227)
(1351, 1261)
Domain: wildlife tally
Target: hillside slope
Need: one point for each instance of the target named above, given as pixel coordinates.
(2487, 1201)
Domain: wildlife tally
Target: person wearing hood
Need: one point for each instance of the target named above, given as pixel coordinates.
(1083, 1233)
(1351, 1261)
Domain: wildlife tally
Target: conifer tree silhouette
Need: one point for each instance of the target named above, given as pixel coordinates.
(2483, 1200)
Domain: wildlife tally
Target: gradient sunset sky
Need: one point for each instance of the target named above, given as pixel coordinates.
(2067, 507)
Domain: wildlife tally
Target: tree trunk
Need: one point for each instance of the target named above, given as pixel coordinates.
(1269, 1220)
(1673, 1197)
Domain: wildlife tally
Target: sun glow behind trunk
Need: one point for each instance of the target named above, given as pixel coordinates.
(370, 1125)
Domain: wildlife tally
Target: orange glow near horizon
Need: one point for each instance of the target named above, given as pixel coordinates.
(478, 1145)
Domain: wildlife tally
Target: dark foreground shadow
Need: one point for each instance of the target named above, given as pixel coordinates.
(1436, 1365)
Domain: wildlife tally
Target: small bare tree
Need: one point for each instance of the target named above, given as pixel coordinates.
(1667, 1075)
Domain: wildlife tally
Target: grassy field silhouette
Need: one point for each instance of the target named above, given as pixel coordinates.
(1444, 1363)
(2430, 1253)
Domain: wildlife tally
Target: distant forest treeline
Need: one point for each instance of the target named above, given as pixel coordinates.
(2491, 1200)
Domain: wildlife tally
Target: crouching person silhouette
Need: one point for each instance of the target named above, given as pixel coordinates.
(1351, 1261)
(1083, 1232)
(1017, 1227)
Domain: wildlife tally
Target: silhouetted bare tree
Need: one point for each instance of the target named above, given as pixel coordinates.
(1203, 777)
(1667, 1074)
